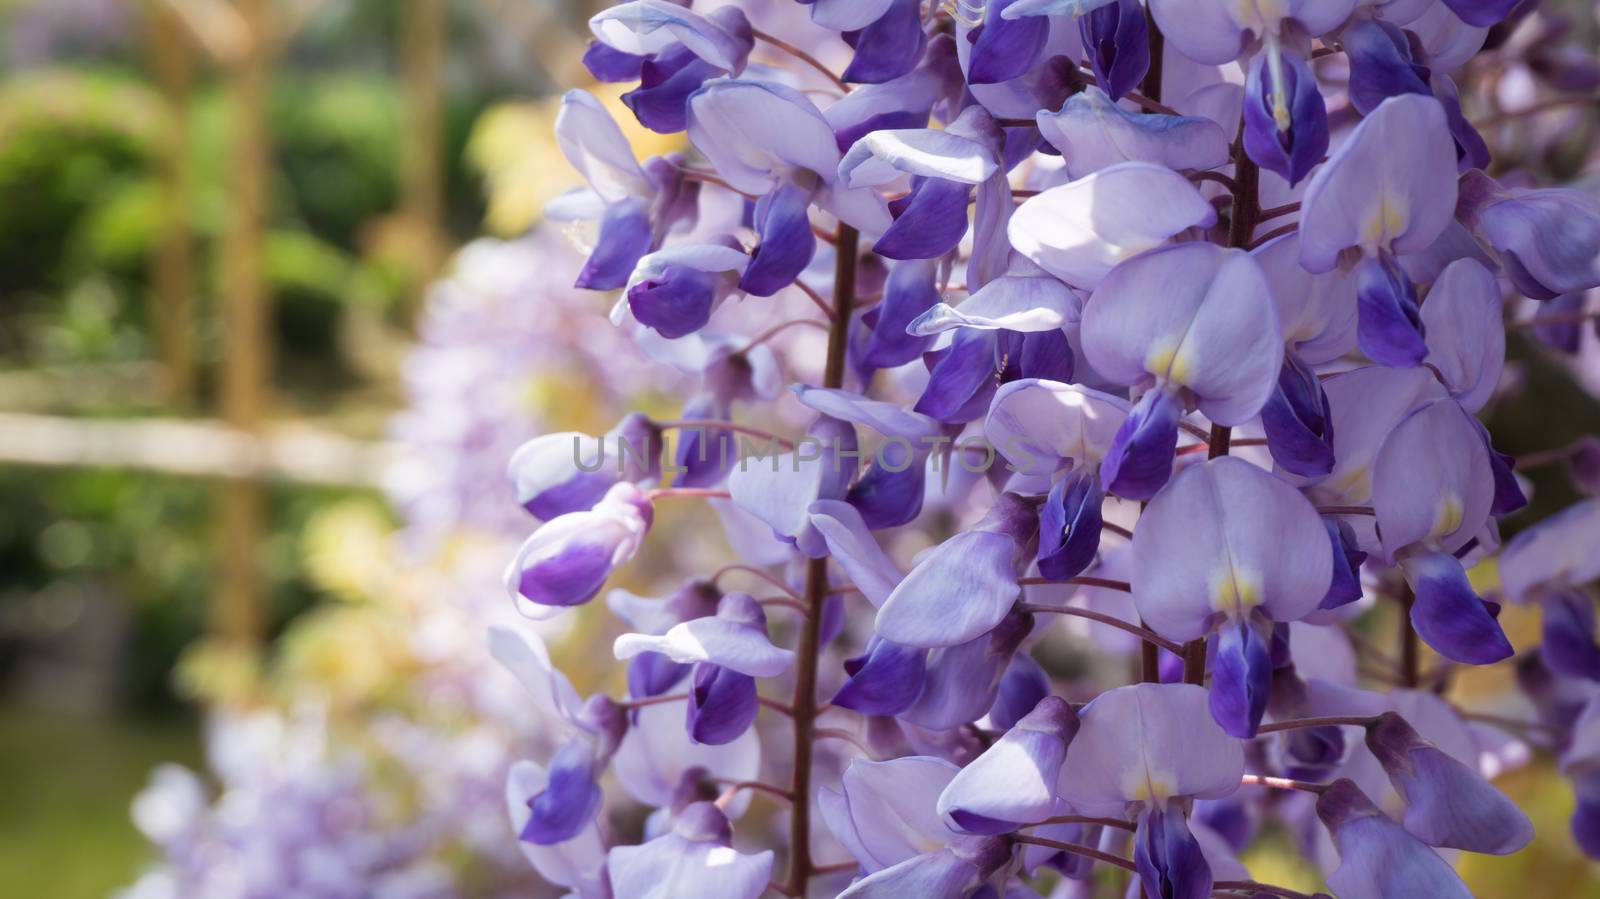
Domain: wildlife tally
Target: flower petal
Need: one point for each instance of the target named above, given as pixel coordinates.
(1226, 537)
(1193, 315)
(1392, 184)
(1079, 231)
(1149, 743)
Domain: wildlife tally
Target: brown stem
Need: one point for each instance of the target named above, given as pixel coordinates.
(1075, 849)
(1547, 457)
(815, 299)
(1151, 638)
(1275, 211)
(777, 329)
(776, 706)
(833, 733)
(1246, 197)
(1329, 721)
(709, 178)
(785, 602)
(1081, 819)
(1255, 886)
(804, 704)
(755, 785)
(1346, 510)
(1082, 581)
(651, 700)
(1516, 724)
(1218, 177)
(1274, 234)
(1150, 661)
(751, 569)
(1554, 318)
(1410, 647)
(1151, 86)
(1282, 783)
(801, 55)
(1117, 529)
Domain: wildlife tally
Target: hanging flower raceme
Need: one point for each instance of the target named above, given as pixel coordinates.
(1110, 338)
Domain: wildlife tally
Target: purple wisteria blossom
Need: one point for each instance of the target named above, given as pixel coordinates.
(1173, 320)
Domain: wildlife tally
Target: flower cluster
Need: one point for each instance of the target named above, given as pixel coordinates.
(1215, 291)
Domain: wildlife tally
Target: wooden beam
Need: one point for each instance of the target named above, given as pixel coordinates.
(196, 448)
(247, 326)
(173, 271)
(422, 165)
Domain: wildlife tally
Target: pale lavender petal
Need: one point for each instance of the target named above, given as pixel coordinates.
(1317, 313)
(962, 588)
(1080, 231)
(1464, 331)
(1391, 185)
(735, 645)
(1377, 858)
(555, 702)
(646, 27)
(1193, 315)
(892, 808)
(1431, 482)
(882, 156)
(1148, 743)
(578, 863)
(848, 15)
(1557, 552)
(653, 758)
(1204, 32)
(1227, 538)
(692, 860)
(1039, 425)
(934, 875)
(1447, 803)
(852, 546)
(1014, 781)
(888, 419)
(1010, 303)
(592, 142)
(731, 123)
(1093, 133)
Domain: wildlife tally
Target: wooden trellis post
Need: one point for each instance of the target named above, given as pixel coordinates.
(247, 323)
(172, 306)
(422, 165)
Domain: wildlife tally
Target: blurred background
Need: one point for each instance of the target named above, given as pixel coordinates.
(275, 307)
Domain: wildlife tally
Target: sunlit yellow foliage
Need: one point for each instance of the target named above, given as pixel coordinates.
(513, 145)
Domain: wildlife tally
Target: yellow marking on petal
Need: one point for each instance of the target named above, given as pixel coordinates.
(1168, 360)
(1387, 221)
(1447, 518)
(1354, 485)
(1260, 16)
(1144, 785)
(1235, 590)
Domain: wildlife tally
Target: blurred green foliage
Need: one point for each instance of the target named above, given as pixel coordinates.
(68, 835)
